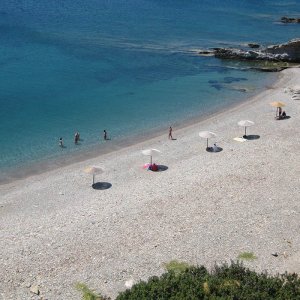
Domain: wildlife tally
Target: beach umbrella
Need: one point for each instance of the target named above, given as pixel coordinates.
(245, 123)
(93, 170)
(207, 135)
(151, 152)
(277, 104)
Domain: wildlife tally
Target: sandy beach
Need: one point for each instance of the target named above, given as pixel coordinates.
(205, 208)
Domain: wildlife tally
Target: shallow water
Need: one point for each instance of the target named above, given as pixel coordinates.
(124, 66)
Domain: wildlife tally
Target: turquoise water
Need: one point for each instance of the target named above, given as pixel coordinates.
(124, 66)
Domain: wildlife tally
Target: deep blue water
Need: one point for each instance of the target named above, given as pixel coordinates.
(124, 66)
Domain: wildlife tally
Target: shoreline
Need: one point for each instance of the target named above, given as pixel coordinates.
(47, 165)
(205, 208)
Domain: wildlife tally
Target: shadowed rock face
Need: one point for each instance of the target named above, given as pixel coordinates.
(289, 52)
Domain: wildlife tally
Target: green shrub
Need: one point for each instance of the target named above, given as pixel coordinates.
(232, 281)
(176, 266)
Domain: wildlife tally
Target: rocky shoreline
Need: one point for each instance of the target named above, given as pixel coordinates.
(282, 53)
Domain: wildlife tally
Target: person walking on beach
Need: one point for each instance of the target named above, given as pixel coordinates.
(170, 133)
(105, 137)
(61, 143)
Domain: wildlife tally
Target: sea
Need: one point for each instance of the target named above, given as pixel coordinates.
(128, 66)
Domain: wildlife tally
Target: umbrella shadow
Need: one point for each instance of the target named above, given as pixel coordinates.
(251, 137)
(282, 118)
(162, 168)
(211, 149)
(101, 185)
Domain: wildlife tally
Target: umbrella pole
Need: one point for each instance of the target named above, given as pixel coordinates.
(206, 143)
(245, 130)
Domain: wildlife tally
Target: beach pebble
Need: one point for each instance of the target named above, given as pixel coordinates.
(129, 283)
(27, 284)
(35, 289)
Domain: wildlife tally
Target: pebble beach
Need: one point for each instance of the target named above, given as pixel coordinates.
(203, 208)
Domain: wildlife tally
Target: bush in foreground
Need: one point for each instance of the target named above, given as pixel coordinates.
(224, 282)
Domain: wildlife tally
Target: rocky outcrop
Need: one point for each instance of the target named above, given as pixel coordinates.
(289, 52)
(290, 20)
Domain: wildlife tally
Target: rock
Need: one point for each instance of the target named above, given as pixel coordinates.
(269, 69)
(239, 89)
(129, 283)
(253, 45)
(288, 52)
(206, 52)
(35, 289)
(275, 254)
(290, 20)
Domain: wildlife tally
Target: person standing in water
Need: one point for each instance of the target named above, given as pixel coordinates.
(76, 138)
(105, 137)
(170, 133)
(61, 143)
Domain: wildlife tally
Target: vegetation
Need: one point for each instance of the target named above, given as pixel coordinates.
(176, 266)
(88, 294)
(247, 256)
(224, 282)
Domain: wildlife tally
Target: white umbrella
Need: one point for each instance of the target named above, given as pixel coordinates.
(93, 170)
(245, 123)
(150, 152)
(207, 135)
